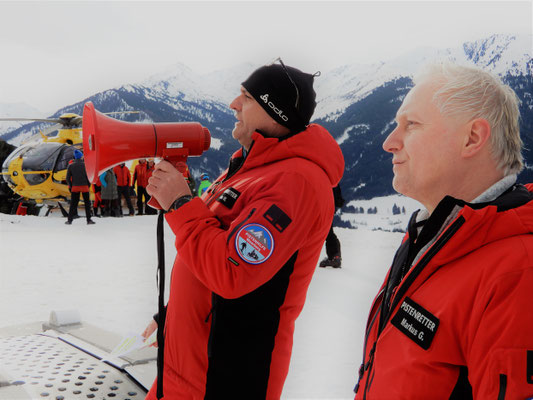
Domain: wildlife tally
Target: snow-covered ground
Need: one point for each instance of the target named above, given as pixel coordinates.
(384, 219)
(107, 271)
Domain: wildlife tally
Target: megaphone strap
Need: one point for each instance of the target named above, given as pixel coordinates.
(161, 302)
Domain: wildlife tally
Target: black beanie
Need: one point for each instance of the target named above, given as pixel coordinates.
(273, 87)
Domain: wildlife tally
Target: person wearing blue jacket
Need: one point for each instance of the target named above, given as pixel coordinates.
(109, 194)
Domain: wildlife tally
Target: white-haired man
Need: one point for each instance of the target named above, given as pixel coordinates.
(454, 317)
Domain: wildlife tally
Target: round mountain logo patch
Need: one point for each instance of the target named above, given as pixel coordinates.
(254, 243)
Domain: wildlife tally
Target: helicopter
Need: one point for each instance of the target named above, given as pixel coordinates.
(37, 169)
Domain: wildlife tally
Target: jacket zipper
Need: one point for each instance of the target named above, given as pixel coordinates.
(369, 326)
(410, 278)
(240, 224)
(408, 281)
(368, 367)
(213, 192)
(228, 176)
(227, 242)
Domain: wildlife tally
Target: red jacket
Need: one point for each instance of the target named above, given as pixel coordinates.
(123, 175)
(247, 251)
(461, 321)
(139, 175)
(149, 172)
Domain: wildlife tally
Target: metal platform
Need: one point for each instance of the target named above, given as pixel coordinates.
(41, 361)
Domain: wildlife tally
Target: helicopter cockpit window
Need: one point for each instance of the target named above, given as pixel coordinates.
(67, 154)
(41, 157)
(18, 152)
(5, 167)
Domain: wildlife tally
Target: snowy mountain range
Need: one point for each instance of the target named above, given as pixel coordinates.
(356, 103)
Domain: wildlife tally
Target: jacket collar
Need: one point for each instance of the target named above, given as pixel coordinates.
(509, 214)
(314, 144)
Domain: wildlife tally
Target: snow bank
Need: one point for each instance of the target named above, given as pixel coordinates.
(107, 271)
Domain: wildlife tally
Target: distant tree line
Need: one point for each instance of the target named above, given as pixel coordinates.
(397, 210)
(374, 210)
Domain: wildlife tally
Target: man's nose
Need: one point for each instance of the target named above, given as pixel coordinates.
(393, 142)
(236, 104)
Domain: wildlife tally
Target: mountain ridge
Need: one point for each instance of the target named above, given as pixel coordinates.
(356, 103)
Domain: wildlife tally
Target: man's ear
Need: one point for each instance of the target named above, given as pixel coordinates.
(278, 130)
(476, 138)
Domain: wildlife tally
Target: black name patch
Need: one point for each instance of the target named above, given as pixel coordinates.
(417, 323)
(277, 218)
(229, 197)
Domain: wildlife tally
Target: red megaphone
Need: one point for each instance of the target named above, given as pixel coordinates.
(108, 142)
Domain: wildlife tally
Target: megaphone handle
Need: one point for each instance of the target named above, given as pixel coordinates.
(181, 166)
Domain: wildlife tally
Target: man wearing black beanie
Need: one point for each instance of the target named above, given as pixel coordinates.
(285, 93)
(247, 249)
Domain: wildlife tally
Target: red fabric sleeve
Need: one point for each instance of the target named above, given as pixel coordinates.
(498, 344)
(208, 250)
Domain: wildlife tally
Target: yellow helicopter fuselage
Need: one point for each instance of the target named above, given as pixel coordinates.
(49, 188)
(37, 169)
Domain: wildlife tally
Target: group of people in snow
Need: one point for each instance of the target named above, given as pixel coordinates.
(113, 185)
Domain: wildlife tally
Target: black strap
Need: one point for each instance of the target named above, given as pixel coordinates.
(161, 303)
(529, 366)
(503, 387)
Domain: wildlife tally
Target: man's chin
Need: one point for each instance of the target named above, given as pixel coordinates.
(235, 133)
(398, 187)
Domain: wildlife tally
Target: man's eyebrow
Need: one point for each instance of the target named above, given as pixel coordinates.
(398, 116)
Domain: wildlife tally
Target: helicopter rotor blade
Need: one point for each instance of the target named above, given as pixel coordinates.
(122, 112)
(66, 120)
(57, 121)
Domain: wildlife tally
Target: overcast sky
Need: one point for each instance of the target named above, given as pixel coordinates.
(57, 53)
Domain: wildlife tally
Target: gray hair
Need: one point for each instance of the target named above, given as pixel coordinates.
(472, 93)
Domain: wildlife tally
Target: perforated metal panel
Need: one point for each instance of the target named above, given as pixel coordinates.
(48, 368)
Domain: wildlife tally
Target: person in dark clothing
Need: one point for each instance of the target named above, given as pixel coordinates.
(333, 245)
(78, 183)
(139, 176)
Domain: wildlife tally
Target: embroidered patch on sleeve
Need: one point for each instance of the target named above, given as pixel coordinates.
(254, 243)
(277, 217)
(417, 323)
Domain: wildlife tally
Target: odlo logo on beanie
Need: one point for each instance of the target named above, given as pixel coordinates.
(273, 107)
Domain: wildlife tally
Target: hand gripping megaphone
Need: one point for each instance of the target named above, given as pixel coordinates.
(108, 142)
